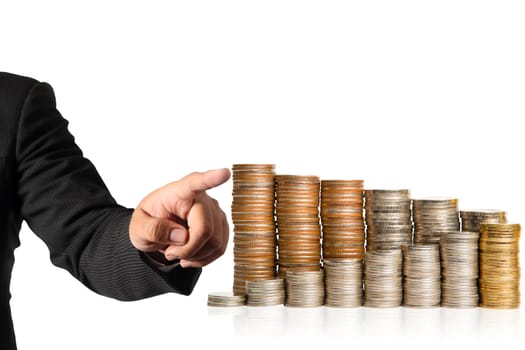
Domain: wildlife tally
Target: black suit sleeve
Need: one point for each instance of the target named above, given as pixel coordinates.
(65, 202)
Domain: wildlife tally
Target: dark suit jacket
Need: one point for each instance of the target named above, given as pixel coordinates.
(45, 180)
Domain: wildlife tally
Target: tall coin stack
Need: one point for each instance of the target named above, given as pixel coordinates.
(254, 238)
(383, 281)
(344, 282)
(421, 275)
(388, 219)
(432, 217)
(299, 231)
(499, 283)
(459, 269)
(471, 219)
(342, 219)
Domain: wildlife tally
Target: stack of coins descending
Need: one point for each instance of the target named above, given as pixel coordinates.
(383, 280)
(499, 283)
(342, 219)
(388, 219)
(432, 217)
(344, 282)
(459, 269)
(265, 293)
(253, 218)
(421, 275)
(471, 219)
(298, 228)
(304, 288)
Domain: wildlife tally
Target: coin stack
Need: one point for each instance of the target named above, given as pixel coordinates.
(344, 282)
(383, 282)
(421, 275)
(471, 219)
(342, 219)
(432, 217)
(225, 299)
(299, 231)
(304, 288)
(265, 293)
(459, 269)
(499, 283)
(252, 210)
(388, 219)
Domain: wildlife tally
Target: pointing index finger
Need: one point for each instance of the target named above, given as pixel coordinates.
(197, 182)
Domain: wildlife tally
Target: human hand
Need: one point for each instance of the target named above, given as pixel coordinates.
(182, 221)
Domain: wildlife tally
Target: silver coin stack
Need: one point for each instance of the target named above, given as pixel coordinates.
(225, 299)
(304, 288)
(471, 219)
(421, 275)
(459, 269)
(265, 293)
(383, 280)
(388, 219)
(432, 216)
(344, 282)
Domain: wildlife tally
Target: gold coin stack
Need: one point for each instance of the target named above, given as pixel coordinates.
(304, 288)
(471, 219)
(383, 280)
(388, 219)
(254, 239)
(499, 283)
(299, 231)
(344, 282)
(421, 275)
(432, 217)
(459, 269)
(342, 219)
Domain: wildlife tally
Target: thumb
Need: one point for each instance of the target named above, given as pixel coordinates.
(197, 182)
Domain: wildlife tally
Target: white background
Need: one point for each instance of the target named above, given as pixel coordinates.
(403, 94)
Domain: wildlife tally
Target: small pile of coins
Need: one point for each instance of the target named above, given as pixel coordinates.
(265, 293)
(254, 250)
(471, 219)
(432, 217)
(342, 219)
(499, 282)
(304, 288)
(459, 269)
(344, 282)
(298, 227)
(388, 219)
(383, 281)
(226, 299)
(421, 275)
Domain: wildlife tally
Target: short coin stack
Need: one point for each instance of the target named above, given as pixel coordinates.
(471, 219)
(343, 282)
(383, 281)
(304, 288)
(499, 282)
(299, 231)
(254, 238)
(388, 219)
(226, 299)
(421, 275)
(432, 217)
(459, 269)
(265, 293)
(342, 219)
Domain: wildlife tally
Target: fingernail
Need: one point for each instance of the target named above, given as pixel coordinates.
(178, 236)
